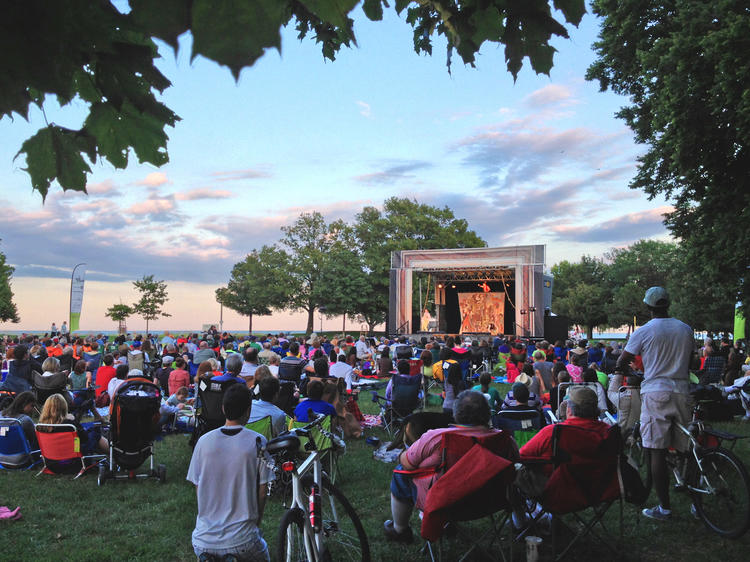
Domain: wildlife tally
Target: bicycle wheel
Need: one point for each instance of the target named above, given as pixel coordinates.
(722, 495)
(344, 535)
(290, 545)
(633, 448)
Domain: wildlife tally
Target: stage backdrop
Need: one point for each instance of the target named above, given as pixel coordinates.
(482, 312)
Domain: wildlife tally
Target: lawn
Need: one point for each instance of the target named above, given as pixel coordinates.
(66, 520)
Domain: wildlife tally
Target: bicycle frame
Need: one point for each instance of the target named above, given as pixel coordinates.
(314, 543)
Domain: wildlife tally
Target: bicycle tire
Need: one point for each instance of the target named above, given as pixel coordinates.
(633, 448)
(725, 511)
(344, 535)
(290, 543)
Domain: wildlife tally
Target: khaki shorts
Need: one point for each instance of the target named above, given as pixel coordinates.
(658, 410)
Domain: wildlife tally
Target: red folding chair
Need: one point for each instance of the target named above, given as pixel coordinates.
(585, 482)
(475, 474)
(61, 450)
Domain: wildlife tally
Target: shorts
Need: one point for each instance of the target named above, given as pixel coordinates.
(254, 550)
(658, 410)
(402, 486)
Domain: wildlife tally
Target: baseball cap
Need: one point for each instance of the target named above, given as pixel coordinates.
(656, 297)
(583, 396)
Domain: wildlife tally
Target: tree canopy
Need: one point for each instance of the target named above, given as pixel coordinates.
(8, 310)
(153, 297)
(90, 52)
(684, 65)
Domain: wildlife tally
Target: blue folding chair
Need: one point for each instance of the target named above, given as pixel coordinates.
(15, 451)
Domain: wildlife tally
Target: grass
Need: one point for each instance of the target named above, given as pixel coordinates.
(77, 520)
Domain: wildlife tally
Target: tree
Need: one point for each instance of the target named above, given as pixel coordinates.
(257, 285)
(345, 285)
(119, 313)
(153, 297)
(104, 59)
(8, 310)
(682, 63)
(581, 292)
(404, 224)
(309, 244)
(632, 271)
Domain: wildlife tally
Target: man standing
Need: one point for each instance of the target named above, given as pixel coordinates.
(231, 494)
(64, 329)
(666, 346)
(53, 330)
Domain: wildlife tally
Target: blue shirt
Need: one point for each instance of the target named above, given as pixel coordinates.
(317, 406)
(227, 377)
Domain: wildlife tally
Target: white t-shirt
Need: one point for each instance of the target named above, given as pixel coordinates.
(113, 385)
(225, 469)
(666, 345)
(342, 370)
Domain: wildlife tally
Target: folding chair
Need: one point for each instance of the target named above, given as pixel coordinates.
(15, 450)
(209, 414)
(262, 426)
(61, 450)
(585, 481)
(521, 424)
(404, 400)
(44, 387)
(473, 483)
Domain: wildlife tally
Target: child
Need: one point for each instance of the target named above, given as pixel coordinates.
(172, 405)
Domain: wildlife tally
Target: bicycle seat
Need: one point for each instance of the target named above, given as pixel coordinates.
(283, 444)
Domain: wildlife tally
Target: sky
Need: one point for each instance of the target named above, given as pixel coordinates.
(539, 161)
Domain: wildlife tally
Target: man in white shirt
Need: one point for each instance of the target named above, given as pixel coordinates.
(250, 364)
(362, 348)
(342, 370)
(666, 347)
(231, 476)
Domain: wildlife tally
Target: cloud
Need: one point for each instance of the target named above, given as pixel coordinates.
(519, 152)
(249, 174)
(632, 226)
(394, 173)
(154, 179)
(364, 108)
(152, 206)
(207, 193)
(106, 187)
(549, 95)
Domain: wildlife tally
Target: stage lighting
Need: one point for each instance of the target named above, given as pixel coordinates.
(440, 286)
(453, 286)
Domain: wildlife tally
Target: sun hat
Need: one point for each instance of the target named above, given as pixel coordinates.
(583, 396)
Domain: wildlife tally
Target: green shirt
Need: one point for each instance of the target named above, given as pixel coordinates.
(495, 399)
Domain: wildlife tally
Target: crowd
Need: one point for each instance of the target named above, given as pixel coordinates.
(287, 377)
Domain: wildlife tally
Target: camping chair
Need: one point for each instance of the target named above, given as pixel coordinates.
(61, 450)
(44, 387)
(209, 414)
(473, 482)
(15, 451)
(404, 400)
(584, 483)
(262, 426)
(562, 392)
(521, 424)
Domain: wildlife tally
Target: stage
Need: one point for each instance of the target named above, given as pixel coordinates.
(471, 291)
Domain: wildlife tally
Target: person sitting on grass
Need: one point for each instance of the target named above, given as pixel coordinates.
(314, 402)
(490, 392)
(55, 411)
(471, 413)
(231, 493)
(172, 405)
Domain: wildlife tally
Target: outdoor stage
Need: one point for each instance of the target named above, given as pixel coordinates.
(477, 291)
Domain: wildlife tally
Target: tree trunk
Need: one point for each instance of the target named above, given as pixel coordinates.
(250, 325)
(589, 332)
(146, 327)
(343, 329)
(310, 318)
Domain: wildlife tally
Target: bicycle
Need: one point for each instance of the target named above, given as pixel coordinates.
(716, 480)
(320, 524)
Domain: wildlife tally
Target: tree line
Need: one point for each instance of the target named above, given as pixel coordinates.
(608, 291)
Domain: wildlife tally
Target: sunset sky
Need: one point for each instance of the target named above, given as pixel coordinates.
(541, 161)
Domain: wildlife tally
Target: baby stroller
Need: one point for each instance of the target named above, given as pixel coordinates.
(135, 414)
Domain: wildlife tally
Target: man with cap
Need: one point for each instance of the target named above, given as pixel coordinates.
(666, 347)
(583, 412)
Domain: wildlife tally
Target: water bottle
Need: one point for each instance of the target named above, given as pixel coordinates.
(314, 508)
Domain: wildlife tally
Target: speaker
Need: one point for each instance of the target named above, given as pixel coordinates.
(556, 328)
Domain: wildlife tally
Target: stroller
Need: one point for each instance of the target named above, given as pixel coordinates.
(135, 413)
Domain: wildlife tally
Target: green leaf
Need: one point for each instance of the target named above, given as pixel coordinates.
(236, 34)
(166, 19)
(332, 11)
(573, 10)
(373, 9)
(116, 132)
(53, 153)
(401, 5)
(488, 25)
(541, 58)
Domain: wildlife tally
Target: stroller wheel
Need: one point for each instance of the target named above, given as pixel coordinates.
(161, 472)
